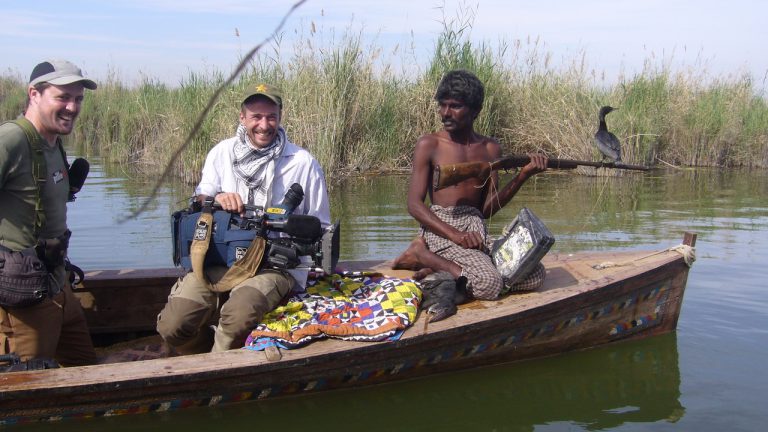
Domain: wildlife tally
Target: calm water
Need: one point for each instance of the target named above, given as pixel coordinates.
(708, 376)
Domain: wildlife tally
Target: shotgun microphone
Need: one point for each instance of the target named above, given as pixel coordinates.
(293, 197)
(78, 171)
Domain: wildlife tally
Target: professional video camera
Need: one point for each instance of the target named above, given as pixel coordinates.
(232, 234)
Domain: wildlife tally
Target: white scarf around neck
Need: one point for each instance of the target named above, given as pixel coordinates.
(256, 166)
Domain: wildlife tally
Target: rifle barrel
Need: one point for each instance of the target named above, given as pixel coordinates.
(451, 174)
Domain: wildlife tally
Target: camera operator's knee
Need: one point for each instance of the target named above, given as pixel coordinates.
(239, 315)
(244, 309)
(247, 304)
(273, 284)
(190, 305)
(181, 320)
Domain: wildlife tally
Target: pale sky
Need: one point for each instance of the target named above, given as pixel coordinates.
(165, 39)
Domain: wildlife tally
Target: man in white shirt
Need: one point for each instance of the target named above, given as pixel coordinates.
(257, 167)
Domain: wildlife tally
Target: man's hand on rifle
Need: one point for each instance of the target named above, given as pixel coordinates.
(537, 164)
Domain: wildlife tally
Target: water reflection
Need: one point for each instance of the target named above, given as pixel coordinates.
(375, 221)
(103, 238)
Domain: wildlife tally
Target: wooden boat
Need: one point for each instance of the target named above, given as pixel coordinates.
(583, 303)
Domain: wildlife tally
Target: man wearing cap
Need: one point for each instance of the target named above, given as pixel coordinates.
(257, 167)
(34, 190)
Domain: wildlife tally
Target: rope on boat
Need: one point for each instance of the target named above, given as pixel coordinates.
(688, 253)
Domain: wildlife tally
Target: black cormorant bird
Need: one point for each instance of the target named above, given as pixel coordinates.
(607, 142)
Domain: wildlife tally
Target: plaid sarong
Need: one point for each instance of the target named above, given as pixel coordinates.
(484, 280)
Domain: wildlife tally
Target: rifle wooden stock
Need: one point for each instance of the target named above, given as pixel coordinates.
(451, 174)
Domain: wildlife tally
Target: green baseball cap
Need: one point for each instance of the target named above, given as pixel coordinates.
(59, 72)
(273, 93)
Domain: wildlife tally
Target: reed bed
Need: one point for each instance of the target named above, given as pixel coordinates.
(346, 102)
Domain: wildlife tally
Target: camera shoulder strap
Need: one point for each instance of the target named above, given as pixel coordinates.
(202, 240)
(244, 268)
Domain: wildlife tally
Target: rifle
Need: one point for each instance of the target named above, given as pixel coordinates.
(451, 174)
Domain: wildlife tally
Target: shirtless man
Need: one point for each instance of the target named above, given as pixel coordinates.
(453, 237)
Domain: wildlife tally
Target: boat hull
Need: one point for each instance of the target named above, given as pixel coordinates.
(578, 307)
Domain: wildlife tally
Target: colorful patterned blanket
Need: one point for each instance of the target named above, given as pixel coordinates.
(360, 307)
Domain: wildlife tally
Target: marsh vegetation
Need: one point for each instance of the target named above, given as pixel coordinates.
(357, 109)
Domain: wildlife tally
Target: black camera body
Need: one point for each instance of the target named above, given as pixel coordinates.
(305, 237)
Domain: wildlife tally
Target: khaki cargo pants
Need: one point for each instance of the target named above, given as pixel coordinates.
(197, 320)
(54, 328)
